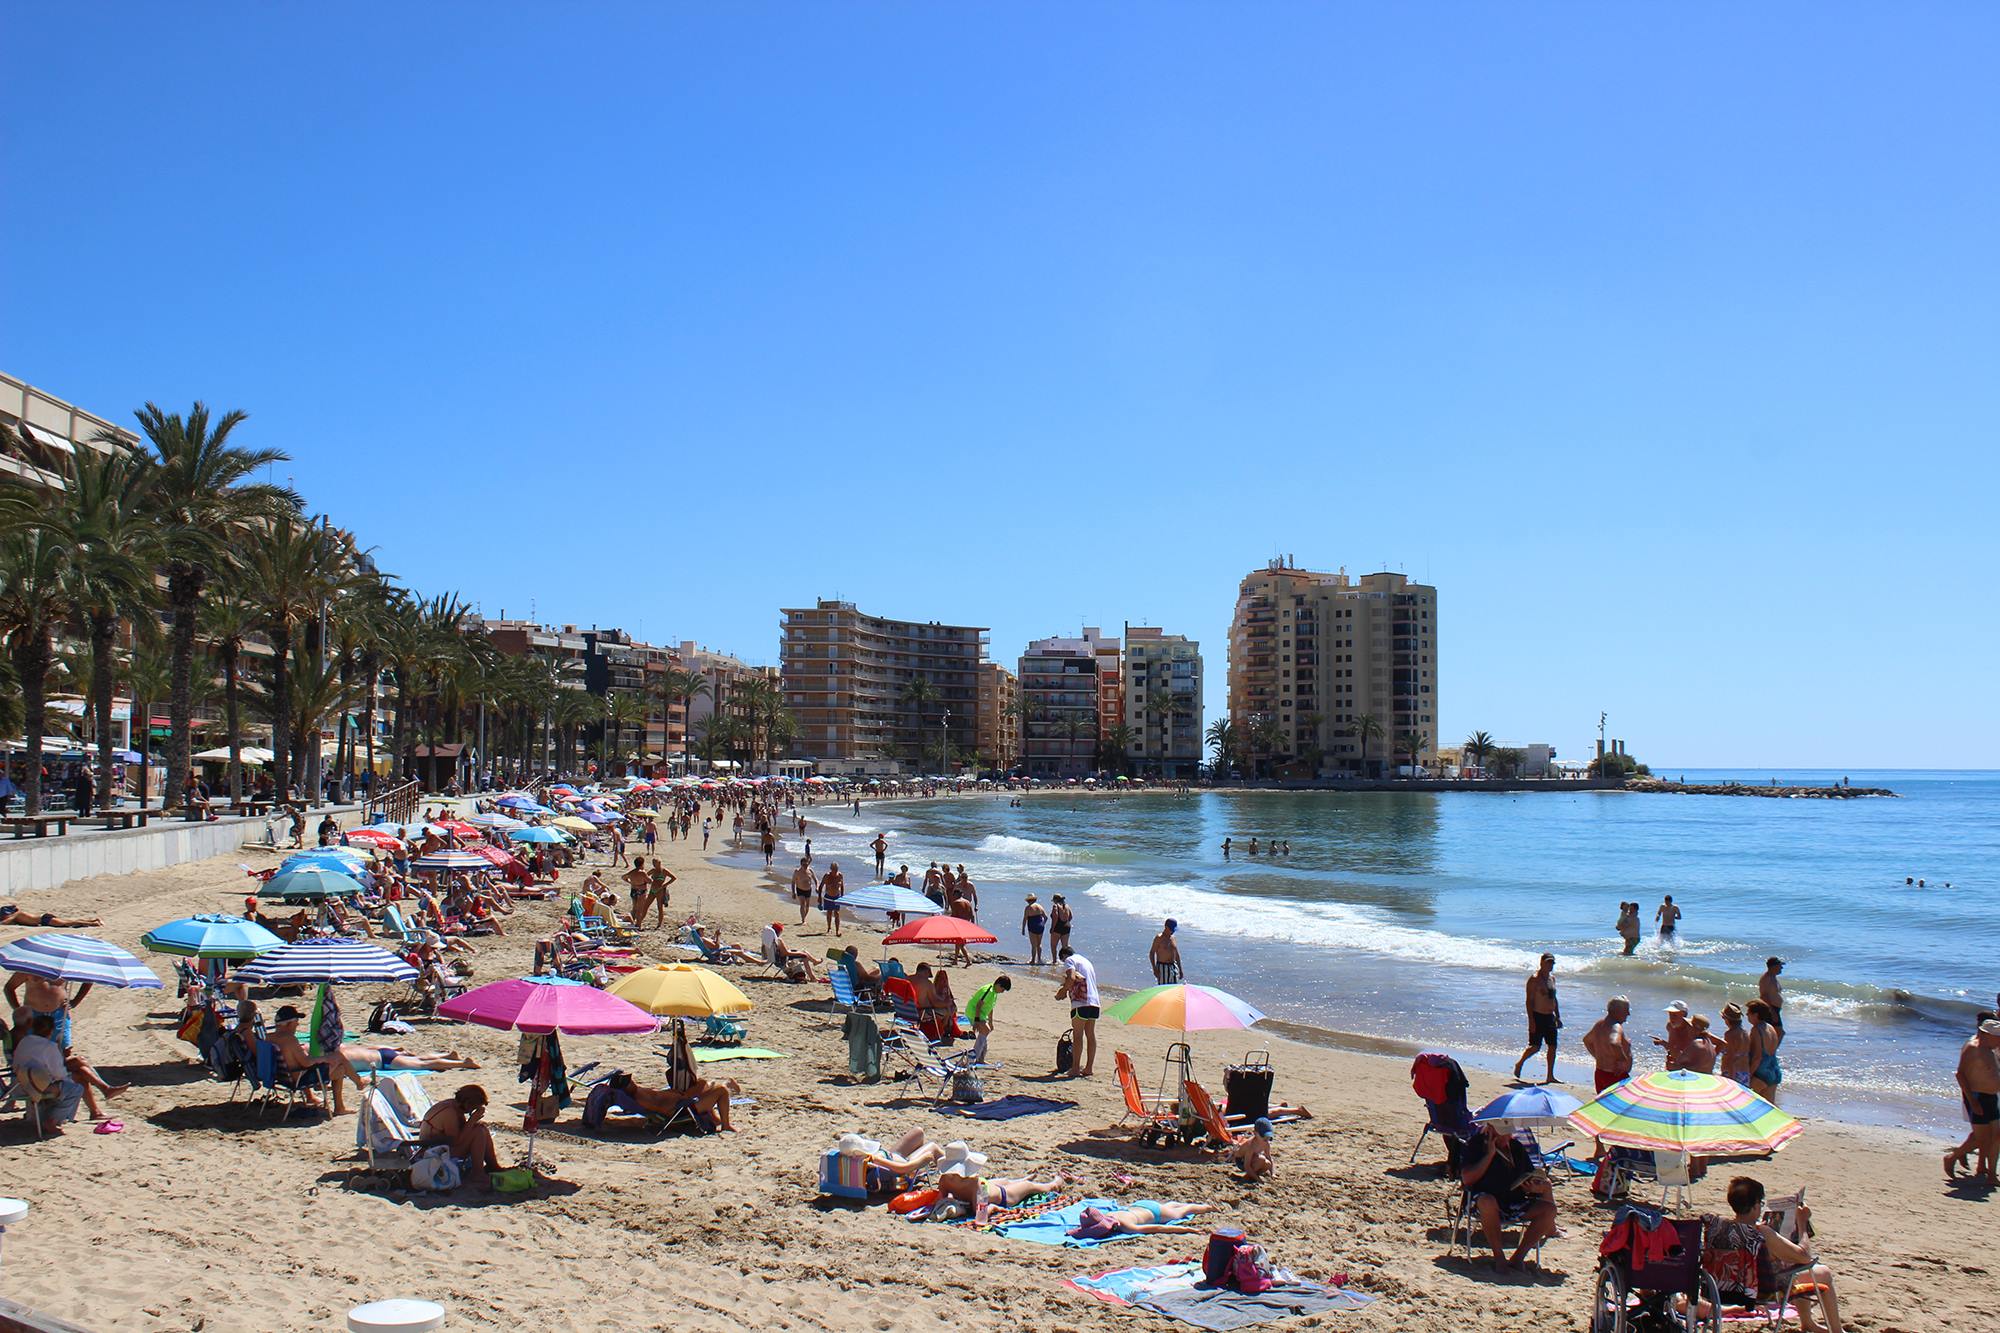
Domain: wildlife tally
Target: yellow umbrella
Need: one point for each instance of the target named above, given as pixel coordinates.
(681, 990)
(572, 824)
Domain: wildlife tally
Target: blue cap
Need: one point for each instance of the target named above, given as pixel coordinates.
(1263, 1126)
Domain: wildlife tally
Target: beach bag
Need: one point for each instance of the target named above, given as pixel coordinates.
(435, 1170)
(1220, 1256)
(1065, 1052)
(967, 1087)
(190, 1029)
(1249, 1270)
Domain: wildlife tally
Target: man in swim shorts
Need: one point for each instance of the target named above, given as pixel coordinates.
(802, 889)
(1609, 1046)
(1771, 993)
(12, 915)
(1544, 1017)
(1979, 1088)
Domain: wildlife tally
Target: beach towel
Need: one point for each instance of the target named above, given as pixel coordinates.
(705, 1056)
(1010, 1107)
(1054, 1226)
(1224, 1308)
(1122, 1286)
(864, 1046)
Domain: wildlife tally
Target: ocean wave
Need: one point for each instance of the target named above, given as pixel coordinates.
(1021, 849)
(1323, 925)
(1858, 1000)
(838, 827)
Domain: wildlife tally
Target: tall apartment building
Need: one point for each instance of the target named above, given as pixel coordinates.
(848, 677)
(1162, 701)
(1316, 653)
(999, 735)
(43, 433)
(724, 673)
(1063, 702)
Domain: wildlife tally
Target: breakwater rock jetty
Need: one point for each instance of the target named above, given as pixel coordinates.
(1838, 793)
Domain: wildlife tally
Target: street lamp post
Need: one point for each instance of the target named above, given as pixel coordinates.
(944, 739)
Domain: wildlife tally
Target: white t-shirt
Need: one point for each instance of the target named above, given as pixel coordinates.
(771, 944)
(42, 1058)
(1079, 969)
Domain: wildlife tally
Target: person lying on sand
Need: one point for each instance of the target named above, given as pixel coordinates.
(984, 1194)
(387, 1059)
(1142, 1218)
(459, 1124)
(12, 915)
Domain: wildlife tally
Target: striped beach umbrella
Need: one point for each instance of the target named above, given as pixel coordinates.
(450, 858)
(889, 898)
(211, 935)
(1184, 1008)
(77, 958)
(330, 960)
(1679, 1110)
(494, 819)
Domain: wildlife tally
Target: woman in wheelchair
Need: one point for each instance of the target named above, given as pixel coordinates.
(1504, 1183)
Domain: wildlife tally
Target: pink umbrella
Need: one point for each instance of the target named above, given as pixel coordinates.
(548, 1004)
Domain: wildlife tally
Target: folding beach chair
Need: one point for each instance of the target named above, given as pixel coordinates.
(1220, 1135)
(1159, 1121)
(271, 1075)
(1440, 1081)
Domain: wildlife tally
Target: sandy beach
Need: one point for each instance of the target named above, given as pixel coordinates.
(204, 1215)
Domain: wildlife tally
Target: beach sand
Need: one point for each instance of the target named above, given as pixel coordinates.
(202, 1215)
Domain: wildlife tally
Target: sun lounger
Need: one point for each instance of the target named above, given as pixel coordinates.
(390, 1120)
(1159, 1122)
(1220, 1135)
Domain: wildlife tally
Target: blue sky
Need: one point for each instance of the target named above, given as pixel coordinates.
(1661, 340)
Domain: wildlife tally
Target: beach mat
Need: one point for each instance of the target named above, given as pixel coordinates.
(1224, 1308)
(704, 1055)
(1122, 1286)
(1010, 1107)
(1053, 1227)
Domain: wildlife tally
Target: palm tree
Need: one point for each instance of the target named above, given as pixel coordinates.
(574, 710)
(1267, 737)
(287, 565)
(1315, 749)
(35, 597)
(1477, 746)
(1115, 746)
(228, 618)
(621, 710)
(1365, 728)
(919, 694)
(203, 500)
(762, 705)
(102, 513)
(683, 686)
(1222, 737)
(1159, 707)
(1411, 744)
(10, 699)
(1072, 729)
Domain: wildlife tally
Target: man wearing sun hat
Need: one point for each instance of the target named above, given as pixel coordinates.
(1979, 1088)
(1679, 1041)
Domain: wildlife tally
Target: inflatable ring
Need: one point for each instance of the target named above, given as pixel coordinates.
(911, 1200)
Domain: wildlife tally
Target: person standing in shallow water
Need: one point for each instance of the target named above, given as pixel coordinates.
(1669, 917)
(1628, 926)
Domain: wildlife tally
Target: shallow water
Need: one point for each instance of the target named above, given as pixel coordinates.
(1415, 917)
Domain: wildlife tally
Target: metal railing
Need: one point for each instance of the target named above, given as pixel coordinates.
(398, 805)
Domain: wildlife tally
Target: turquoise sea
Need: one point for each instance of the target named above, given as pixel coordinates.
(1414, 918)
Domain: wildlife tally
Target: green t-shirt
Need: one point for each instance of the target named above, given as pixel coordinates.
(979, 1009)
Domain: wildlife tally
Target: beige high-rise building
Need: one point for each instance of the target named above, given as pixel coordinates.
(848, 679)
(1317, 653)
(999, 734)
(1161, 696)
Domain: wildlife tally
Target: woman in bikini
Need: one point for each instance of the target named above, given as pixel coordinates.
(983, 1193)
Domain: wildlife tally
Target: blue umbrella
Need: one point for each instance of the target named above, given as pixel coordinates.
(537, 835)
(1529, 1107)
(211, 935)
(325, 960)
(889, 898)
(598, 817)
(494, 819)
(310, 881)
(337, 856)
(527, 803)
(77, 958)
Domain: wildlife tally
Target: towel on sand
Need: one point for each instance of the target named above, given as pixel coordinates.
(705, 1056)
(1122, 1286)
(1006, 1108)
(1052, 1228)
(1224, 1308)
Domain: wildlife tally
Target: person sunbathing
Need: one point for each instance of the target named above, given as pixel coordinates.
(983, 1193)
(1146, 1217)
(714, 950)
(458, 1124)
(915, 1152)
(708, 1099)
(1743, 1251)
(387, 1059)
(863, 976)
(12, 915)
(295, 1058)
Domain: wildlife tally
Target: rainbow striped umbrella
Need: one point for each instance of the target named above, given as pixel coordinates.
(1679, 1110)
(1184, 1008)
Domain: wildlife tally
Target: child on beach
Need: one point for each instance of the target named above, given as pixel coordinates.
(1252, 1155)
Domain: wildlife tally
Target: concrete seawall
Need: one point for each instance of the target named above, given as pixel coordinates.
(47, 863)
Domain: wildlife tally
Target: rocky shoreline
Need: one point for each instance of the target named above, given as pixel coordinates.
(1752, 789)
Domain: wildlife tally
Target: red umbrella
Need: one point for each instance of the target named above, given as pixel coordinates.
(941, 930)
(461, 828)
(374, 835)
(506, 862)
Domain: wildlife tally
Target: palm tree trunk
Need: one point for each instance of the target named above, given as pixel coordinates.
(103, 631)
(183, 595)
(31, 663)
(281, 715)
(232, 720)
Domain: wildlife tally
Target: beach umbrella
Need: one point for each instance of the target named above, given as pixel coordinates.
(326, 959)
(598, 818)
(548, 1004)
(889, 898)
(514, 800)
(77, 958)
(310, 882)
(375, 837)
(1679, 1110)
(451, 858)
(340, 858)
(1184, 1008)
(211, 935)
(1529, 1108)
(940, 930)
(525, 807)
(460, 828)
(571, 824)
(494, 819)
(680, 990)
(536, 835)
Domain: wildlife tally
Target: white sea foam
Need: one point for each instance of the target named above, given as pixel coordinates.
(838, 827)
(1021, 849)
(1323, 925)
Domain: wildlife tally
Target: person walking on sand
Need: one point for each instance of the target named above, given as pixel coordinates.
(1079, 987)
(802, 889)
(1544, 1017)
(1628, 927)
(1771, 993)
(881, 849)
(1609, 1046)
(1669, 917)
(1034, 920)
(1165, 955)
(1979, 1088)
(770, 847)
(831, 886)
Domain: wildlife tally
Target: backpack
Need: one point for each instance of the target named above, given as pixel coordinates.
(1065, 1052)
(1249, 1270)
